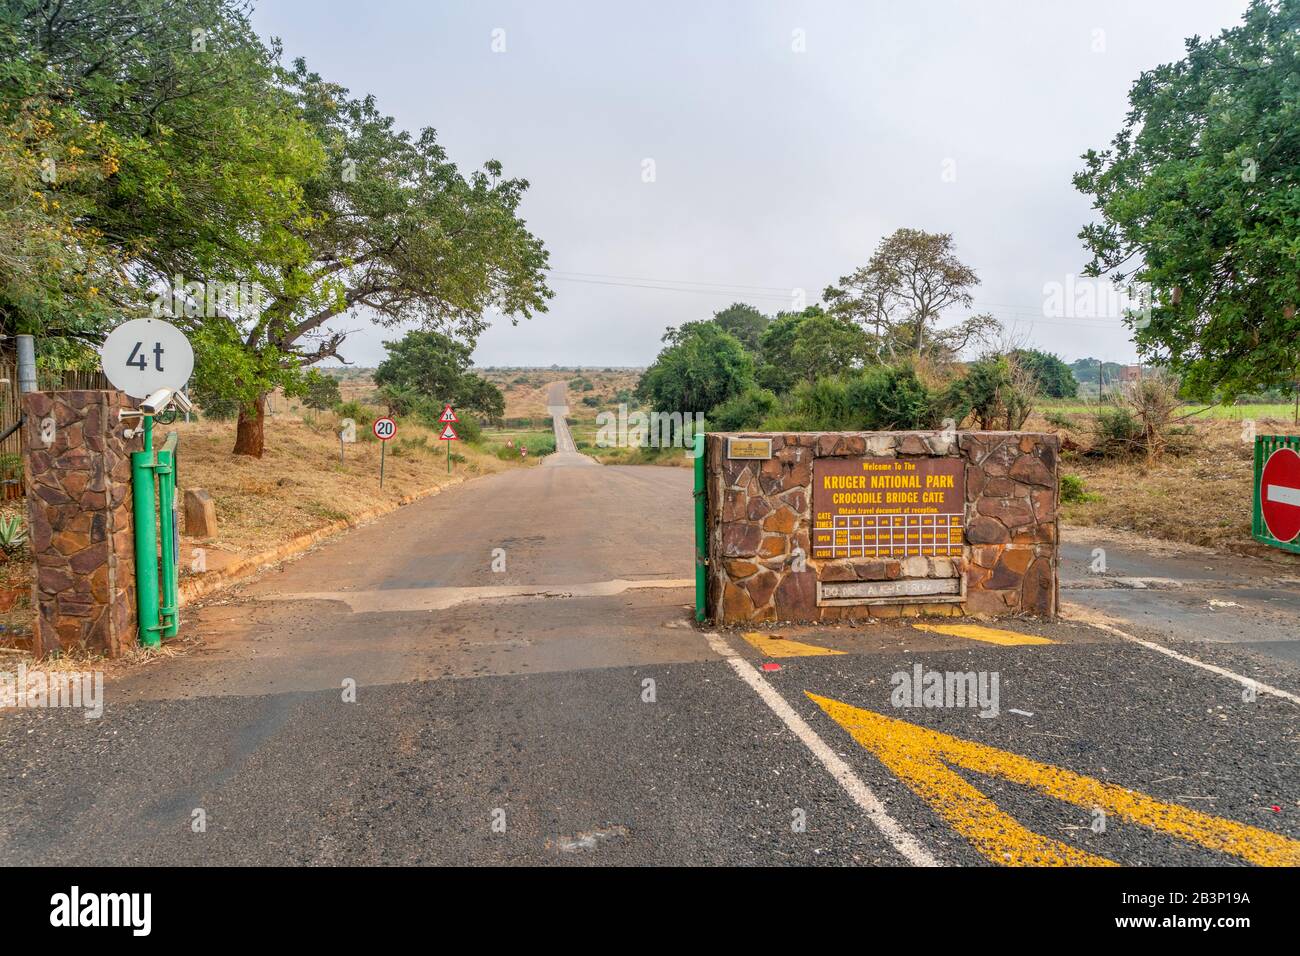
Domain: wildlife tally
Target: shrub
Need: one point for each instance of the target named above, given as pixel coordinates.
(1000, 392)
(1072, 490)
(744, 411)
(361, 414)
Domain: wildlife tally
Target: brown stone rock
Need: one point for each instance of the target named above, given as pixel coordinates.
(84, 562)
(757, 507)
(1012, 512)
(878, 570)
(761, 586)
(912, 445)
(52, 580)
(773, 545)
(1010, 569)
(1044, 504)
(999, 488)
(1032, 471)
(796, 597)
(740, 540)
(781, 521)
(988, 602)
(799, 476)
(975, 482)
(741, 569)
(835, 571)
(985, 530)
(1038, 592)
(736, 603)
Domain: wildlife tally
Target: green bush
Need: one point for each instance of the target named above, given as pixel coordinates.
(363, 415)
(744, 411)
(1073, 491)
(1118, 431)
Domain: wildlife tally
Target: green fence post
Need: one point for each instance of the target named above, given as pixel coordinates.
(146, 541)
(701, 540)
(168, 611)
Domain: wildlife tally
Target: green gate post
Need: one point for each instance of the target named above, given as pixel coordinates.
(169, 611)
(701, 542)
(146, 541)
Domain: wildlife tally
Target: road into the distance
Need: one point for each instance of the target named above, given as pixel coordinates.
(508, 672)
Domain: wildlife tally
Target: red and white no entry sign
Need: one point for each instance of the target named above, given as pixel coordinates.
(385, 428)
(1279, 494)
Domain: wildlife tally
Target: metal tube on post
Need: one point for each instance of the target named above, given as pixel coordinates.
(701, 540)
(26, 364)
(168, 611)
(146, 539)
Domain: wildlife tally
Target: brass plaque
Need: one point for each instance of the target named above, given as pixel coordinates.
(749, 448)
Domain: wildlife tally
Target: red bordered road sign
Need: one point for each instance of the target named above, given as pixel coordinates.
(448, 434)
(384, 428)
(1279, 494)
(448, 414)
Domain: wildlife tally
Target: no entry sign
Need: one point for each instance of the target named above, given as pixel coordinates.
(1279, 494)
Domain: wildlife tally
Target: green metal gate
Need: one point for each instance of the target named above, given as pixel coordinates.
(153, 485)
(1265, 445)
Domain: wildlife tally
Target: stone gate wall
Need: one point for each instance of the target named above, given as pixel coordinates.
(77, 472)
(762, 565)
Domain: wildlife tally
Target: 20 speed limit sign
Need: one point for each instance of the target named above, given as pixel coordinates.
(385, 428)
(143, 355)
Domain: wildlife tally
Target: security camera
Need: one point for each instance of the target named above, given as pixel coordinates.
(156, 403)
(182, 401)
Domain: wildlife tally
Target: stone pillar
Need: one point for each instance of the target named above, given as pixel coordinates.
(77, 472)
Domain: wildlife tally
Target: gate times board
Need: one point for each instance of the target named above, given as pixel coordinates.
(888, 507)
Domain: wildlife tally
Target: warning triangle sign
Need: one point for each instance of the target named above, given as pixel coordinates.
(448, 415)
(448, 434)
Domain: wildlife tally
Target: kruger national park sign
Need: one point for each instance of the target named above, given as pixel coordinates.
(888, 507)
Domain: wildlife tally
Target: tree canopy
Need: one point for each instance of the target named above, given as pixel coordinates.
(1197, 198)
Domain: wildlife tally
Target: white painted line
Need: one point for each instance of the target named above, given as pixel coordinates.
(890, 829)
(1284, 495)
(1212, 668)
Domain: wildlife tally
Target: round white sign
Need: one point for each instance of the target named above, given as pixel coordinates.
(384, 428)
(143, 355)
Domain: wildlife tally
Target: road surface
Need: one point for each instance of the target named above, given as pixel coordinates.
(529, 688)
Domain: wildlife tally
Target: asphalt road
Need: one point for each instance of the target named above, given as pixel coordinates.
(529, 688)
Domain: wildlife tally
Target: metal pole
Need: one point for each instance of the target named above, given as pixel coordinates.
(701, 542)
(448, 444)
(168, 612)
(146, 540)
(26, 364)
(383, 447)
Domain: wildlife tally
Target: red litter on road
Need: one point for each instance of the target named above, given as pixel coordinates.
(771, 666)
(1279, 494)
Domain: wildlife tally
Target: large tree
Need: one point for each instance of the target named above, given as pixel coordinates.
(743, 321)
(902, 295)
(701, 367)
(1197, 198)
(395, 230)
(428, 367)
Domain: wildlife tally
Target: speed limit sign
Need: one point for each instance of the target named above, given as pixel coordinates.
(385, 428)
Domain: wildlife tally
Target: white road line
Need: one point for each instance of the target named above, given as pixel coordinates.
(1091, 619)
(1284, 495)
(890, 829)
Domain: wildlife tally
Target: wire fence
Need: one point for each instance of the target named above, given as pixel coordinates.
(11, 448)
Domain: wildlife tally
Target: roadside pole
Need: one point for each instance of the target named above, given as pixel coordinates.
(448, 435)
(384, 429)
(701, 540)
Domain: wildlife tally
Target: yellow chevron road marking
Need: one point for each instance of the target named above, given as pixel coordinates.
(779, 647)
(989, 635)
(919, 757)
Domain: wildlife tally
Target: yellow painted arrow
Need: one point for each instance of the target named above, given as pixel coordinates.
(773, 646)
(920, 758)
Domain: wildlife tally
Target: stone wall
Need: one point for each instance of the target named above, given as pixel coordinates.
(762, 568)
(77, 472)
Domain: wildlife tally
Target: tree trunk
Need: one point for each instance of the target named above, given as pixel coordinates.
(250, 433)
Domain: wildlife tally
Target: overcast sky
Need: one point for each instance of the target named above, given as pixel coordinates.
(787, 139)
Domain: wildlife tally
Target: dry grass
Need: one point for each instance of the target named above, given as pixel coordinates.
(300, 485)
(1201, 496)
